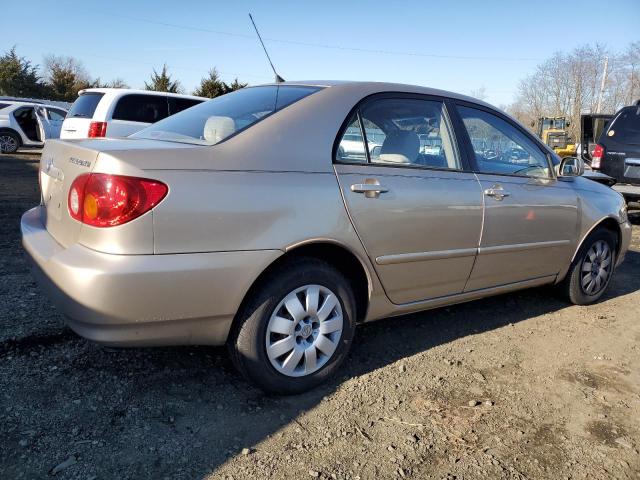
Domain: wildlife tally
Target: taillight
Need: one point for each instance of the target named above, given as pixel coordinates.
(596, 156)
(97, 129)
(103, 200)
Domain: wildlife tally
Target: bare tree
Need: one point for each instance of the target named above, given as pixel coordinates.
(65, 76)
(568, 84)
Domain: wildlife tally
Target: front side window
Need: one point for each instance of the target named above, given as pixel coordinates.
(141, 108)
(213, 121)
(501, 147)
(403, 132)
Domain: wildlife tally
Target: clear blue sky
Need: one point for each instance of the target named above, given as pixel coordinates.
(455, 45)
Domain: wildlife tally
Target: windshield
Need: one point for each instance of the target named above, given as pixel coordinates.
(213, 121)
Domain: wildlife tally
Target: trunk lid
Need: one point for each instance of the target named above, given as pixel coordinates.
(60, 164)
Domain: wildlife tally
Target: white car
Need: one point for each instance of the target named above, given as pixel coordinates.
(28, 124)
(120, 112)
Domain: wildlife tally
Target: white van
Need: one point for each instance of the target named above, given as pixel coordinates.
(119, 112)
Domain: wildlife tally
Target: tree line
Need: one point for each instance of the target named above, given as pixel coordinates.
(61, 78)
(573, 83)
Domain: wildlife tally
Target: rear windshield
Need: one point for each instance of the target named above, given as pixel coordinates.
(85, 105)
(213, 121)
(625, 128)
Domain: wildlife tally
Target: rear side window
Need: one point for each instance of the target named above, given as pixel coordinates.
(179, 104)
(85, 105)
(55, 114)
(141, 108)
(626, 126)
(4, 105)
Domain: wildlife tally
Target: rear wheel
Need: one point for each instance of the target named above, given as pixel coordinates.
(296, 329)
(9, 142)
(591, 271)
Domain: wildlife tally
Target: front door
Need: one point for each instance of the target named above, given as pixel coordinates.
(416, 210)
(531, 218)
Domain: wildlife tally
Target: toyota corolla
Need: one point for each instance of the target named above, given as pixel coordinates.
(245, 221)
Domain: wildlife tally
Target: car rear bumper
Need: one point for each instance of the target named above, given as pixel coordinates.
(130, 300)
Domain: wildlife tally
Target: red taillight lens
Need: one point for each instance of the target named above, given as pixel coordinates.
(596, 156)
(97, 129)
(103, 200)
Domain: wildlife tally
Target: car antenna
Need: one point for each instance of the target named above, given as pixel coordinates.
(279, 79)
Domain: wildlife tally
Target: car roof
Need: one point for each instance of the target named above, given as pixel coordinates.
(17, 103)
(369, 88)
(123, 91)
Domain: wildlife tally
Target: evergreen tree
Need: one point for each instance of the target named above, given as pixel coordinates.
(18, 77)
(161, 82)
(212, 86)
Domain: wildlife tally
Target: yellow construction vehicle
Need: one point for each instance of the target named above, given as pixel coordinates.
(553, 132)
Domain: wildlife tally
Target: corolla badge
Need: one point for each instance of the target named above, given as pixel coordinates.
(77, 161)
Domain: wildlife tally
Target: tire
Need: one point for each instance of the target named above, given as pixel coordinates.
(252, 339)
(9, 142)
(577, 286)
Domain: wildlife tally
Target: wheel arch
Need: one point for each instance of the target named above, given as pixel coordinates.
(337, 255)
(609, 223)
(14, 131)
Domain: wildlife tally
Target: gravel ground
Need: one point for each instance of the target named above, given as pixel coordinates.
(517, 386)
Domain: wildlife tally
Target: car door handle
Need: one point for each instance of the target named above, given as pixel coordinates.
(370, 190)
(496, 192)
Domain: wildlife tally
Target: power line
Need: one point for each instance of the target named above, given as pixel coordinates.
(136, 61)
(325, 46)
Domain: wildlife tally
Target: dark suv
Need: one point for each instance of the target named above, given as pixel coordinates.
(617, 153)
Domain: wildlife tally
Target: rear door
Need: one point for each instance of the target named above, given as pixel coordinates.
(415, 208)
(76, 123)
(622, 147)
(135, 111)
(531, 218)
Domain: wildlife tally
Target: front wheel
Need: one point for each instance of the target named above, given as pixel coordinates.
(591, 271)
(296, 329)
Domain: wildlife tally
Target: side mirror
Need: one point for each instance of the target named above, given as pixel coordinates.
(571, 167)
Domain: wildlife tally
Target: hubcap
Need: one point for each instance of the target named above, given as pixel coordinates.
(596, 268)
(304, 330)
(7, 143)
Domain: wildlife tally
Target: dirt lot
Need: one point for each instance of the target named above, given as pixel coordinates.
(517, 386)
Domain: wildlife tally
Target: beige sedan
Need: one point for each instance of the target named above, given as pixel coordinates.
(248, 221)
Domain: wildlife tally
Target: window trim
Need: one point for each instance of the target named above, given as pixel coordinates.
(464, 163)
(471, 157)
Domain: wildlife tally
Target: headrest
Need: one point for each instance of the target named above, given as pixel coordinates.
(217, 129)
(401, 146)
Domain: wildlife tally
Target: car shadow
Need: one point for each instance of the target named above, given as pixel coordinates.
(192, 395)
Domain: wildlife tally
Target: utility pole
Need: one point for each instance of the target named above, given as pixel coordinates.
(604, 81)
